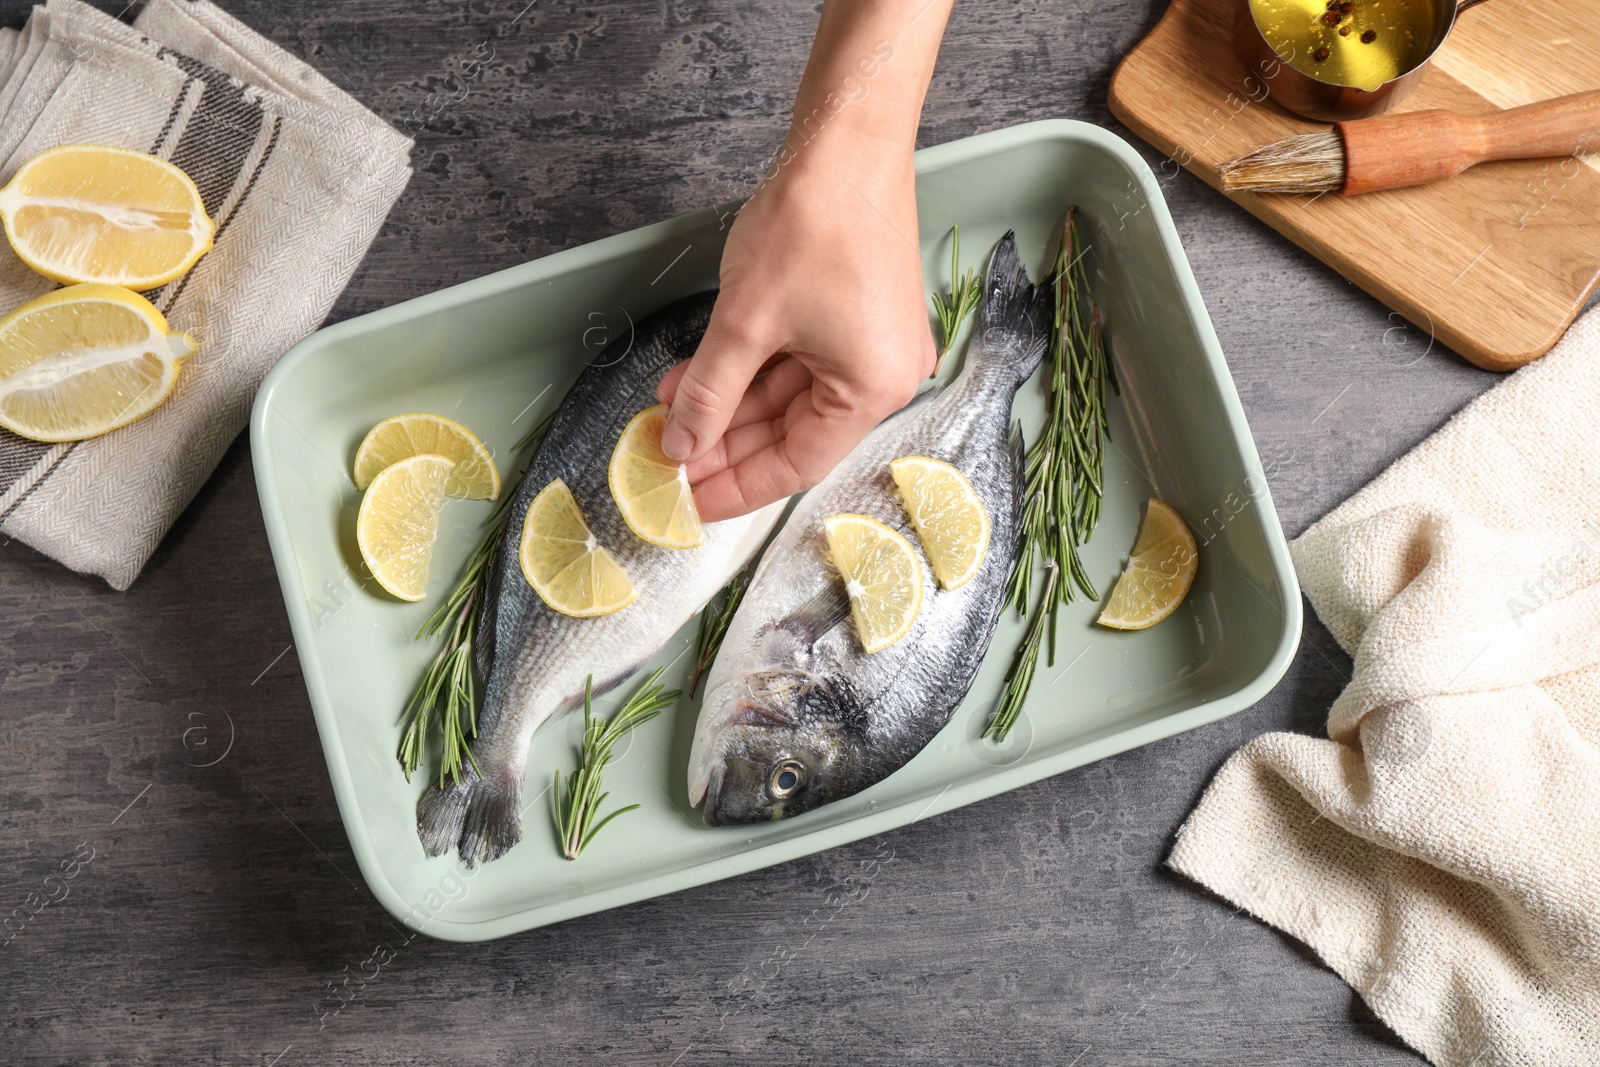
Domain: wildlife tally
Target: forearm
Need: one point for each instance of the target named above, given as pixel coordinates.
(861, 96)
(808, 349)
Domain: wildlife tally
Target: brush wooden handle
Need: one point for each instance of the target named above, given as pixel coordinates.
(1419, 147)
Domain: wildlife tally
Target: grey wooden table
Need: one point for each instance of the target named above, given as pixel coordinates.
(223, 903)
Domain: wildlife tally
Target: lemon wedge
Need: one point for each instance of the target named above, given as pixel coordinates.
(950, 520)
(90, 213)
(1159, 573)
(399, 521)
(651, 491)
(563, 562)
(403, 436)
(882, 575)
(84, 360)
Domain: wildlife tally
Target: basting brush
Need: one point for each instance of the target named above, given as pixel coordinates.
(1415, 148)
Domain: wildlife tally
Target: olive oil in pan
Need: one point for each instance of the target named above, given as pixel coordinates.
(1362, 43)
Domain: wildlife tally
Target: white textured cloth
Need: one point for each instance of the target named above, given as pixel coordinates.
(298, 177)
(1441, 851)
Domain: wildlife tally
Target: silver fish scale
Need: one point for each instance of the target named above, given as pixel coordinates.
(966, 425)
(537, 659)
(796, 713)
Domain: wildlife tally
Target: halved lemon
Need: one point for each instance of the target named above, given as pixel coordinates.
(563, 562)
(882, 575)
(402, 436)
(85, 360)
(399, 521)
(651, 491)
(1159, 573)
(91, 213)
(951, 522)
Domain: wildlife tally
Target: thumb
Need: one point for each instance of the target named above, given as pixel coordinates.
(708, 391)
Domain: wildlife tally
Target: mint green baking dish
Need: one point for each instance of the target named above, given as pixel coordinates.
(499, 352)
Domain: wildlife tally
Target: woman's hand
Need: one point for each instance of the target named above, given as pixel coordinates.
(821, 328)
(822, 298)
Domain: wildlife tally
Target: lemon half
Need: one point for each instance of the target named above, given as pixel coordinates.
(1160, 571)
(651, 491)
(399, 521)
(91, 213)
(403, 436)
(85, 360)
(563, 562)
(882, 575)
(950, 520)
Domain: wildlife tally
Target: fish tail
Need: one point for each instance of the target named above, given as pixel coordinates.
(440, 815)
(480, 817)
(1014, 321)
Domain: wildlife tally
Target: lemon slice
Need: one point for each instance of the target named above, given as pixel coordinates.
(1158, 575)
(881, 573)
(399, 520)
(651, 491)
(950, 520)
(403, 436)
(563, 562)
(89, 213)
(85, 360)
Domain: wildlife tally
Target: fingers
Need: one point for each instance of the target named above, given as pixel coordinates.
(768, 398)
(769, 394)
(736, 446)
(767, 476)
(772, 392)
(783, 456)
(706, 391)
(669, 384)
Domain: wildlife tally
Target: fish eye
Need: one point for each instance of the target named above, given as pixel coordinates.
(787, 777)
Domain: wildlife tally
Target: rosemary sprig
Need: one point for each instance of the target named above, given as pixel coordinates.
(1063, 474)
(962, 300)
(714, 622)
(1065, 466)
(445, 700)
(578, 806)
(1020, 675)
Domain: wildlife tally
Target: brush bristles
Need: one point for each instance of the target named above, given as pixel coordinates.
(1309, 163)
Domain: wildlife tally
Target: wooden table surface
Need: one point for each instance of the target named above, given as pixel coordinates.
(223, 908)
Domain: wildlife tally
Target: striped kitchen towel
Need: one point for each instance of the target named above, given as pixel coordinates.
(298, 177)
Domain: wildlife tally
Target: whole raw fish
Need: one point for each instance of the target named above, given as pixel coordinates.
(535, 658)
(796, 714)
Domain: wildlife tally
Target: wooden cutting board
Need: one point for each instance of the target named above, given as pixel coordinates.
(1494, 263)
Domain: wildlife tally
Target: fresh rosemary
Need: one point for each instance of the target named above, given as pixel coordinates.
(1020, 674)
(578, 806)
(962, 300)
(714, 622)
(1064, 470)
(445, 700)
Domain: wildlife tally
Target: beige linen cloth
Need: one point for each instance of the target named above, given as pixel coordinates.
(298, 177)
(1441, 851)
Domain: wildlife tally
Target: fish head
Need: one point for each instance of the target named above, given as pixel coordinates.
(785, 741)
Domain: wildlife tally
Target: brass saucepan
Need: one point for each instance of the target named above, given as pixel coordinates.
(1305, 94)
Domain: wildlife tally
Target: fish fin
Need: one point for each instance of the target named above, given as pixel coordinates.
(1014, 322)
(493, 824)
(760, 715)
(441, 813)
(478, 816)
(1018, 450)
(489, 619)
(821, 613)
